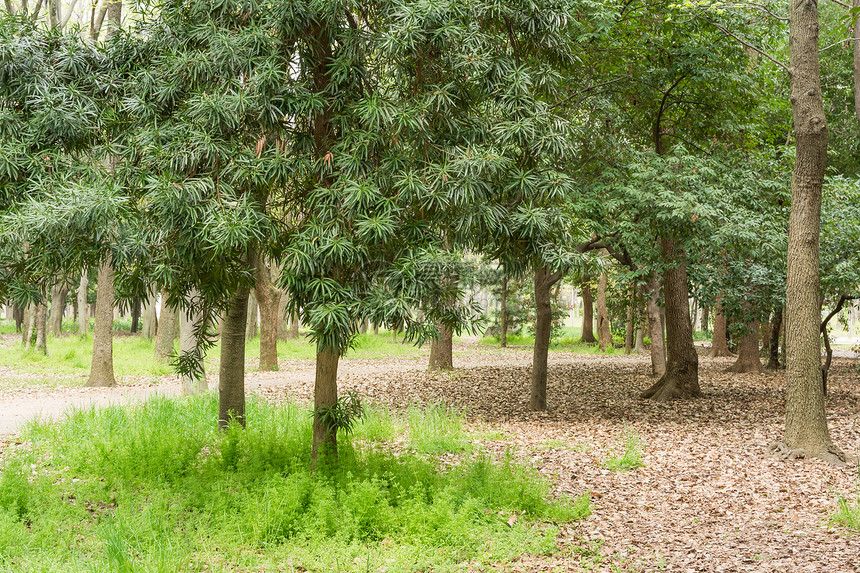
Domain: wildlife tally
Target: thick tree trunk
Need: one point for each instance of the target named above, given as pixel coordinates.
(83, 309)
(251, 322)
(681, 379)
(58, 306)
(325, 396)
(269, 299)
(776, 327)
(166, 330)
(441, 350)
(805, 419)
(749, 357)
(42, 328)
(193, 383)
(655, 325)
(101, 371)
(604, 331)
(150, 322)
(587, 312)
(135, 315)
(503, 316)
(719, 344)
(543, 331)
(231, 375)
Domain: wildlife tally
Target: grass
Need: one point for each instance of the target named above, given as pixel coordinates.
(120, 489)
(847, 510)
(631, 456)
(437, 429)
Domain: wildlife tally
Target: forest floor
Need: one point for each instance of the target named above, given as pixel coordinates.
(708, 496)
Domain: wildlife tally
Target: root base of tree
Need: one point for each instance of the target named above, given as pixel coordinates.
(671, 387)
(831, 455)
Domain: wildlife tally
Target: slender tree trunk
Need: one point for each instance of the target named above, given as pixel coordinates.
(28, 332)
(441, 350)
(503, 317)
(166, 330)
(776, 327)
(283, 326)
(101, 371)
(58, 305)
(295, 323)
(83, 309)
(18, 313)
(681, 379)
(749, 357)
(135, 315)
(150, 322)
(543, 331)
(269, 299)
(630, 325)
(251, 324)
(231, 377)
(604, 330)
(694, 314)
(375, 329)
(42, 328)
(639, 344)
(805, 419)
(194, 383)
(655, 325)
(705, 318)
(325, 396)
(719, 344)
(587, 312)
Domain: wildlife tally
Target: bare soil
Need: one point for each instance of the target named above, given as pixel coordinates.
(709, 497)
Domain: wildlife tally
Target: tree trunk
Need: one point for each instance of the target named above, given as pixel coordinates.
(805, 419)
(705, 318)
(694, 314)
(681, 379)
(18, 313)
(150, 322)
(83, 309)
(630, 326)
(543, 331)
(28, 332)
(58, 306)
(503, 316)
(587, 312)
(856, 4)
(251, 324)
(655, 325)
(135, 315)
(101, 371)
(375, 329)
(441, 350)
(773, 360)
(269, 299)
(231, 375)
(42, 328)
(604, 331)
(114, 17)
(295, 323)
(325, 396)
(166, 330)
(719, 344)
(194, 383)
(749, 357)
(283, 326)
(639, 345)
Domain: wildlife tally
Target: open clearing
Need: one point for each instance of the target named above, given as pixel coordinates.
(708, 498)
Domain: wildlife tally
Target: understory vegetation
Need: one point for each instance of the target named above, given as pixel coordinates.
(131, 492)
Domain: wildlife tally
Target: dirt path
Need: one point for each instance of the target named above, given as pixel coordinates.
(709, 497)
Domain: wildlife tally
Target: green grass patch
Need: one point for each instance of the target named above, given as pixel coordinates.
(847, 513)
(437, 429)
(155, 487)
(630, 456)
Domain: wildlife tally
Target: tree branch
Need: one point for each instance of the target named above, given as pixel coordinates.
(747, 44)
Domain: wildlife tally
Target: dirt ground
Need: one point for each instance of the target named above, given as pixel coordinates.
(709, 497)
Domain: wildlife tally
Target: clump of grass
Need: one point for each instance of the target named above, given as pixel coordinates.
(847, 513)
(437, 429)
(631, 456)
(155, 487)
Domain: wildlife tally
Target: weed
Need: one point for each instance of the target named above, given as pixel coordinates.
(437, 429)
(631, 457)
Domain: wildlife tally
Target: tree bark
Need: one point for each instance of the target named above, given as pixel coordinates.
(749, 357)
(251, 323)
(705, 318)
(18, 313)
(269, 299)
(101, 371)
(58, 306)
(441, 350)
(166, 330)
(28, 332)
(150, 322)
(231, 375)
(543, 331)
(655, 324)
(114, 17)
(503, 316)
(856, 4)
(681, 379)
(42, 328)
(83, 309)
(587, 312)
(719, 344)
(604, 331)
(135, 315)
(325, 396)
(295, 323)
(776, 327)
(805, 420)
(283, 325)
(630, 326)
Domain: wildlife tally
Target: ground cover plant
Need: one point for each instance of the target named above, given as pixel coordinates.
(155, 487)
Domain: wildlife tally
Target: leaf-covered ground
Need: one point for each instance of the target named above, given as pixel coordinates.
(708, 497)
